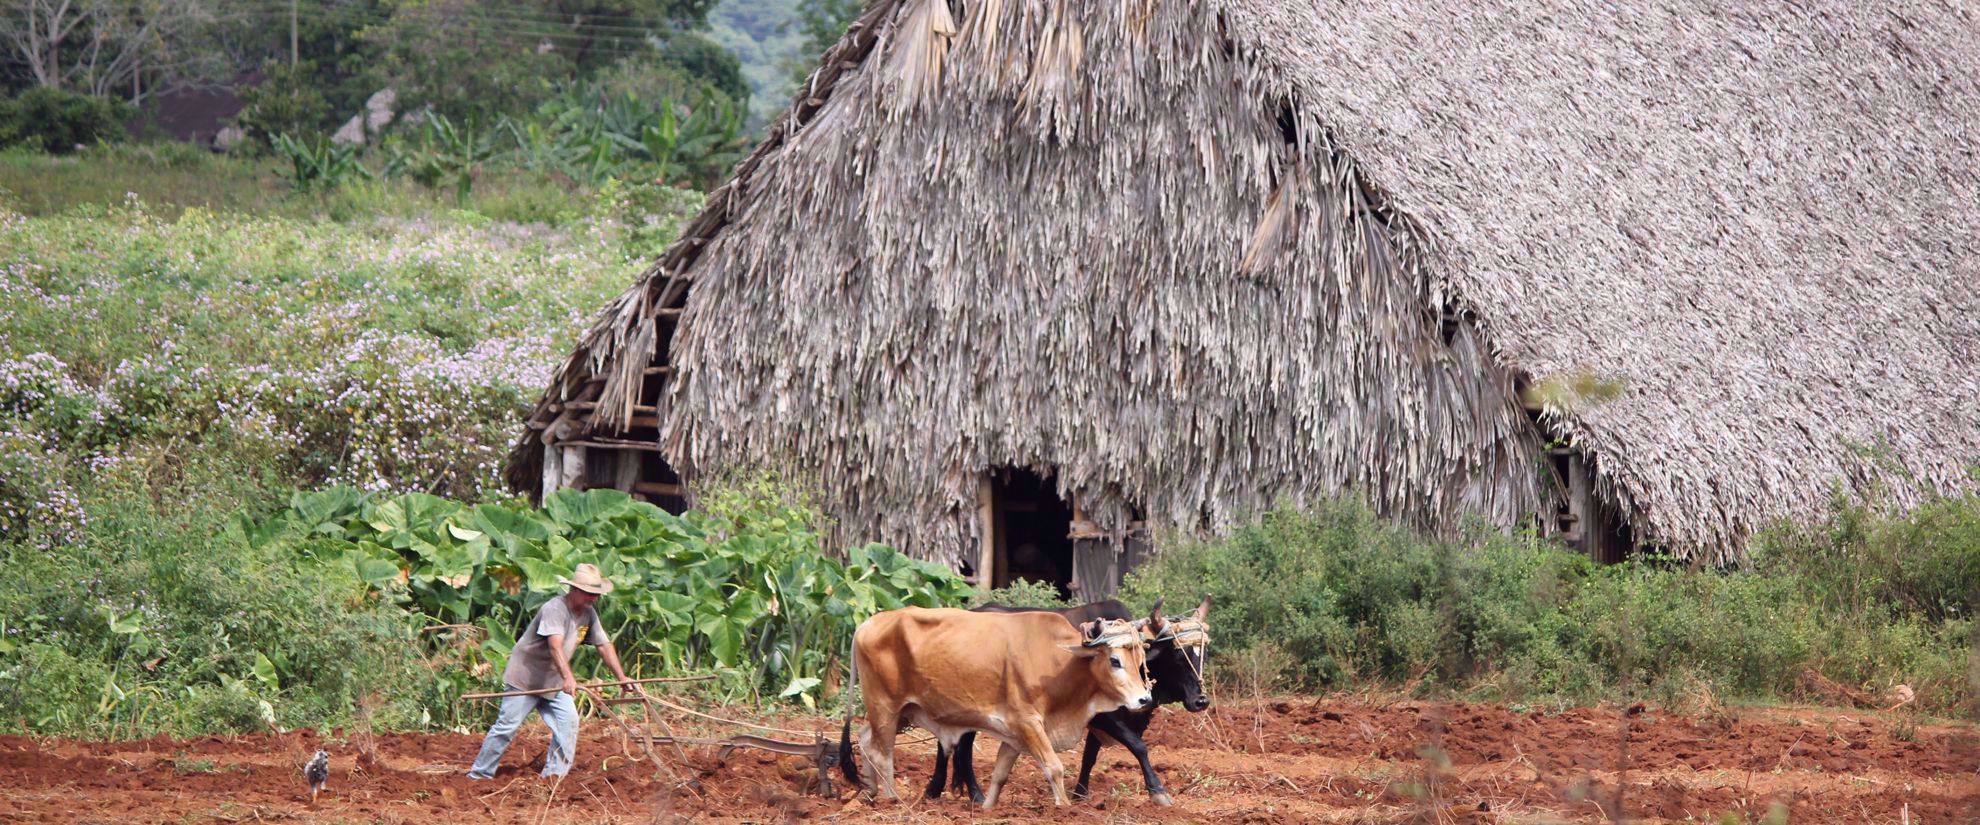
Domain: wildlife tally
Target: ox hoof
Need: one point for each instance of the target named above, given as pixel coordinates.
(1162, 798)
(1079, 792)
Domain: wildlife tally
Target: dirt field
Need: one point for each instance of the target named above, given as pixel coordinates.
(1296, 759)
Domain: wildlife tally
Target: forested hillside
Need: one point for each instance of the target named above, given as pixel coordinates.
(764, 36)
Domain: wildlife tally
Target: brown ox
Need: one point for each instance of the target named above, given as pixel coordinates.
(1031, 680)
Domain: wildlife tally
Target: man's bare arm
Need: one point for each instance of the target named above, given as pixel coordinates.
(563, 664)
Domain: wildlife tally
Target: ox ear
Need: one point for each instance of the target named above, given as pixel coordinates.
(1203, 610)
(1089, 638)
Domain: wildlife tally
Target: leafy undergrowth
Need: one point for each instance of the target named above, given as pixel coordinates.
(1335, 597)
(746, 584)
(162, 374)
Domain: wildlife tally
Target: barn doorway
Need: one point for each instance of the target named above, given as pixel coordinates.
(1027, 530)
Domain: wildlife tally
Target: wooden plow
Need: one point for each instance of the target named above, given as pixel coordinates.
(652, 731)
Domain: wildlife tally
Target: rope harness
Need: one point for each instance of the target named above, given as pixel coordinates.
(1117, 634)
(1187, 634)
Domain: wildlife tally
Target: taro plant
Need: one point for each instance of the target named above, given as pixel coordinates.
(750, 588)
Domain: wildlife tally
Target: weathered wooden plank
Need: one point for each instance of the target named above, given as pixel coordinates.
(615, 444)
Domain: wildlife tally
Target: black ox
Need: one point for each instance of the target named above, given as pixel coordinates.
(1177, 672)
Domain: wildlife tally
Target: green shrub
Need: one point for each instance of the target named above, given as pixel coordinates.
(1349, 599)
(702, 58)
(289, 102)
(1021, 593)
(650, 215)
(157, 616)
(1926, 563)
(57, 121)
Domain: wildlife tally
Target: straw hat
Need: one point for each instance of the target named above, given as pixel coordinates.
(587, 579)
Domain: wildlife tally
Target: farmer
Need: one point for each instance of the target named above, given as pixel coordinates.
(541, 660)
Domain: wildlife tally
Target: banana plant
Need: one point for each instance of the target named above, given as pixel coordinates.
(443, 151)
(318, 164)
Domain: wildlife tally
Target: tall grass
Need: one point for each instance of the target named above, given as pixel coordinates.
(171, 178)
(1335, 597)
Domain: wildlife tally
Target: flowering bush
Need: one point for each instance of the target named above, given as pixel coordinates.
(391, 356)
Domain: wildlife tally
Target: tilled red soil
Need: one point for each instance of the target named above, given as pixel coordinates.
(1295, 759)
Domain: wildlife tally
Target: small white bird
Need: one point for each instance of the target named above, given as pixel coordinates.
(317, 772)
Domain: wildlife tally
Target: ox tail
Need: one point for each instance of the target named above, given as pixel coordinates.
(846, 765)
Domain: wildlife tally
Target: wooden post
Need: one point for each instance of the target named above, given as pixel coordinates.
(573, 471)
(553, 469)
(626, 472)
(1581, 505)
(986, 523)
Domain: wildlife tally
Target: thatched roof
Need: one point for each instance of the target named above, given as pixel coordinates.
(1073, 234)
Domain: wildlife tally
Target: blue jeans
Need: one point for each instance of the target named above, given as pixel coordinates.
(558, 710)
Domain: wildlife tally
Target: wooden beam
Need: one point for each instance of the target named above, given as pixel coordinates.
(615, 444)
(659, 488)
(584, 406)
(986, 524)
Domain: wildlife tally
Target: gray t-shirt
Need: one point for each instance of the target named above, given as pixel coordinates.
(530, 666)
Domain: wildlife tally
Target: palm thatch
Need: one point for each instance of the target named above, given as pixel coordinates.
(1200, 257)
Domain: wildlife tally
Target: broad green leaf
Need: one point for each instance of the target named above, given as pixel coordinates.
(375, 571)
(477, 550)
(264, 671)
(510, 528)
(799, 685)
(725, 642)
(386, 517)
(541, 575)
(463, 533)
(125, 624)
(577, 508)
(679, 605)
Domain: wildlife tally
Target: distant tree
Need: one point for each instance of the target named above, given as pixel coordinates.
(288, 102)
(336, 63)
(129, 48)
(822, 22)
(55, 121)
(702, 58)
(606, 30)
(517, 48)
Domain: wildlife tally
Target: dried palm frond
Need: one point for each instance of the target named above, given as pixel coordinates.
(1265, 239)
(923, 40)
